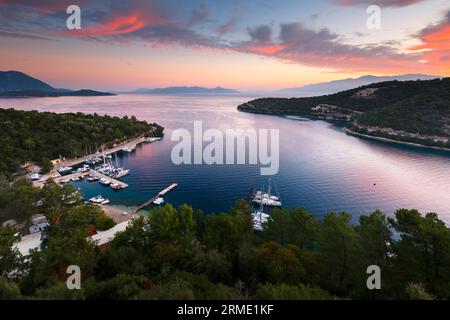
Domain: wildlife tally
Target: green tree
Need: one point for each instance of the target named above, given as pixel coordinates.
(283, 291)
(337, 249)
(9, 290)
(423, 250)
(292, 226)
(374, 238)
(10, 259)
(278, 264)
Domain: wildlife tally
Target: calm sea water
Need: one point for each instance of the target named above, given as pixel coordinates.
(321, 168)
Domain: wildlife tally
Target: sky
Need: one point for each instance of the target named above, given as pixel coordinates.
(240, 44)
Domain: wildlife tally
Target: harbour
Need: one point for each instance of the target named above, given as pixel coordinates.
(78, 175)
(321, 167)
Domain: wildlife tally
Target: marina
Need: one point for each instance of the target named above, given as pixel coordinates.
(321, 168)
(92, 174)
(131, 145)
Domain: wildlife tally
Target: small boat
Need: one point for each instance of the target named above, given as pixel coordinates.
(158, 201)
(97, 199)
(96, 178)
(105, 181)
(126, 149)
(259, 218)
(267, 202)
(90, 179)
(106, 201)
(260, 194)
(120, 172)
(152, 139)
(266, 199)
(115, 186)
(65, 169)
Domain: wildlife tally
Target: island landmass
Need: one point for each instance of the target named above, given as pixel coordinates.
(413, 112)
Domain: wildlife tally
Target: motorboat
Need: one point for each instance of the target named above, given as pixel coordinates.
(105, 181)
(120, 172)
(64, 169)
(115, 186)
(152, 139)
(97, 199)
(158, 201)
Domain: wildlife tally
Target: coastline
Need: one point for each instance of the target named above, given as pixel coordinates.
(117, 213)
(348, 131)
(412, 144)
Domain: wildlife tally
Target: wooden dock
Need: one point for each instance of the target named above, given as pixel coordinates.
(150, 201)
(122, 185)
(77, 175)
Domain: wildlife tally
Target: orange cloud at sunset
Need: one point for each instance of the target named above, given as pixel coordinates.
(118, 25)
(138, 43)
(266, 49)
(435, 46)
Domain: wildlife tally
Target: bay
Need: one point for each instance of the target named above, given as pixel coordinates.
(321, 168)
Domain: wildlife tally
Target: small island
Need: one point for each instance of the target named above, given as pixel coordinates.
(413, 112)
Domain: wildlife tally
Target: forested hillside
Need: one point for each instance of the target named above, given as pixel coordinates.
(180, 253)
(416, 107)
(42, 136)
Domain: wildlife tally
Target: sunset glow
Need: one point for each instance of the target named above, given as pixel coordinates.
(248, 46)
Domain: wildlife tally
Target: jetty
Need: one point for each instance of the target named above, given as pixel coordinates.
(74, 162)
(150, 201)
(77, 175)
(56, 176)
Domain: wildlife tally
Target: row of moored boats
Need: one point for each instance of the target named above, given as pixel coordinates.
(264, 201)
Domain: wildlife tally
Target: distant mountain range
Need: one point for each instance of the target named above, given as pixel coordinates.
(19, 84)
(187, 90)
(347, 84)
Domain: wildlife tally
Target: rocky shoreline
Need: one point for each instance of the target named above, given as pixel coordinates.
(372, 137)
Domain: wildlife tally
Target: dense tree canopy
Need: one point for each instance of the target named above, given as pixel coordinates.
(179, 253)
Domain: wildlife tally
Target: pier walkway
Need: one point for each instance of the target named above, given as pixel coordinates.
(150, 201)
(76, 175)
(73, 162)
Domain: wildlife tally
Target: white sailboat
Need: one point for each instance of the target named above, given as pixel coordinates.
(263, 198)
(266, 199)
